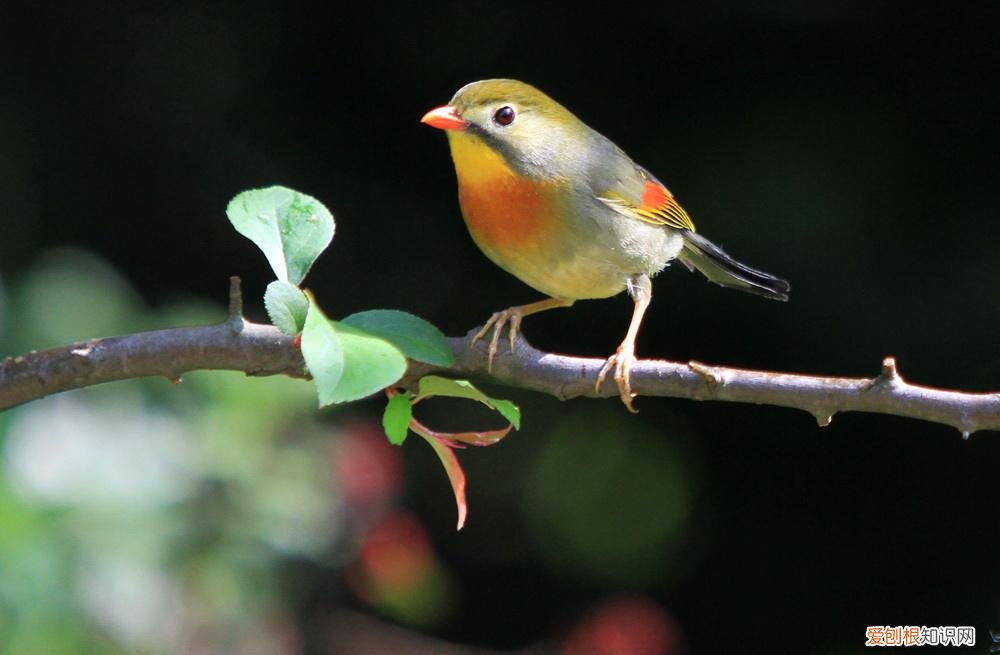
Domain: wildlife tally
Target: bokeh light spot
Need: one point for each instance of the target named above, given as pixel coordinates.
(609, 497)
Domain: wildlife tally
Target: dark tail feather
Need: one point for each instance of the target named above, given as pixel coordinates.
(718, 267)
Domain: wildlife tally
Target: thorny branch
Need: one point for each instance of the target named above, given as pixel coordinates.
(237, 344)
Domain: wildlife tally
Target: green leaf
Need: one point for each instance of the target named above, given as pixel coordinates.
(396, 418)
(417, 338)
(370, 364)
(291, 228)
(434, 385)
(347, 363)
(324, 354)
(287, 306)
(509, 411)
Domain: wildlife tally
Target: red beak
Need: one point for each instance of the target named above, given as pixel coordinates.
(444, 118)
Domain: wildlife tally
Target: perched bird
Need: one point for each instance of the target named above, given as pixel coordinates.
(562, 208)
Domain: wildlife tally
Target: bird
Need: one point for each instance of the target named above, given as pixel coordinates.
(562, 208)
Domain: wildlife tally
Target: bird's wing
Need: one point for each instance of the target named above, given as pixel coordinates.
(655, 205)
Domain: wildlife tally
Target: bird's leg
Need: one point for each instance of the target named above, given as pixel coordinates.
(513, 316)
(641, 289)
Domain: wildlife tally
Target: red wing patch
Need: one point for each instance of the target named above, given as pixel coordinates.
(657, 206)
(655, 196)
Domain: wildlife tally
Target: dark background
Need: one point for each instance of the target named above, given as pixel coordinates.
(850, 147)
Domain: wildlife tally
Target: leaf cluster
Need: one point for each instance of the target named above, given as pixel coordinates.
(363, 353)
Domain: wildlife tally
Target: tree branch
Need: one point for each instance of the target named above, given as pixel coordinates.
(822, 396)
(239, 345)
(235, 344)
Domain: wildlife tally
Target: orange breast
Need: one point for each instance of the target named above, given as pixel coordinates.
(508, 216)
(506, 213)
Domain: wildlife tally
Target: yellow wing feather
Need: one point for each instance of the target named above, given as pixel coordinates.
(657, 206)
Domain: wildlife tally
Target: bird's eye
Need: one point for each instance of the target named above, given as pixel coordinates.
(504, 116)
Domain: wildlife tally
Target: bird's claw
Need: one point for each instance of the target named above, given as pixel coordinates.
(509, 317)
(622, 360)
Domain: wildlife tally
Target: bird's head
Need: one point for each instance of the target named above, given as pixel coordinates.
(534, 134)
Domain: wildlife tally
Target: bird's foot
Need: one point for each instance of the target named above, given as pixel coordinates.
(622, 362)
(512, 319)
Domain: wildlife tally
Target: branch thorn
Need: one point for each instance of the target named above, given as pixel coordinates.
(889, 372)
(235, 318)
(823, 418)
(705, 372)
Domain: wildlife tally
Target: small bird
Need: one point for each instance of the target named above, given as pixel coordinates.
(559, 206)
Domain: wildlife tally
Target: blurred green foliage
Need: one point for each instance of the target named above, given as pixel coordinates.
(136, 512)
(611, 500)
